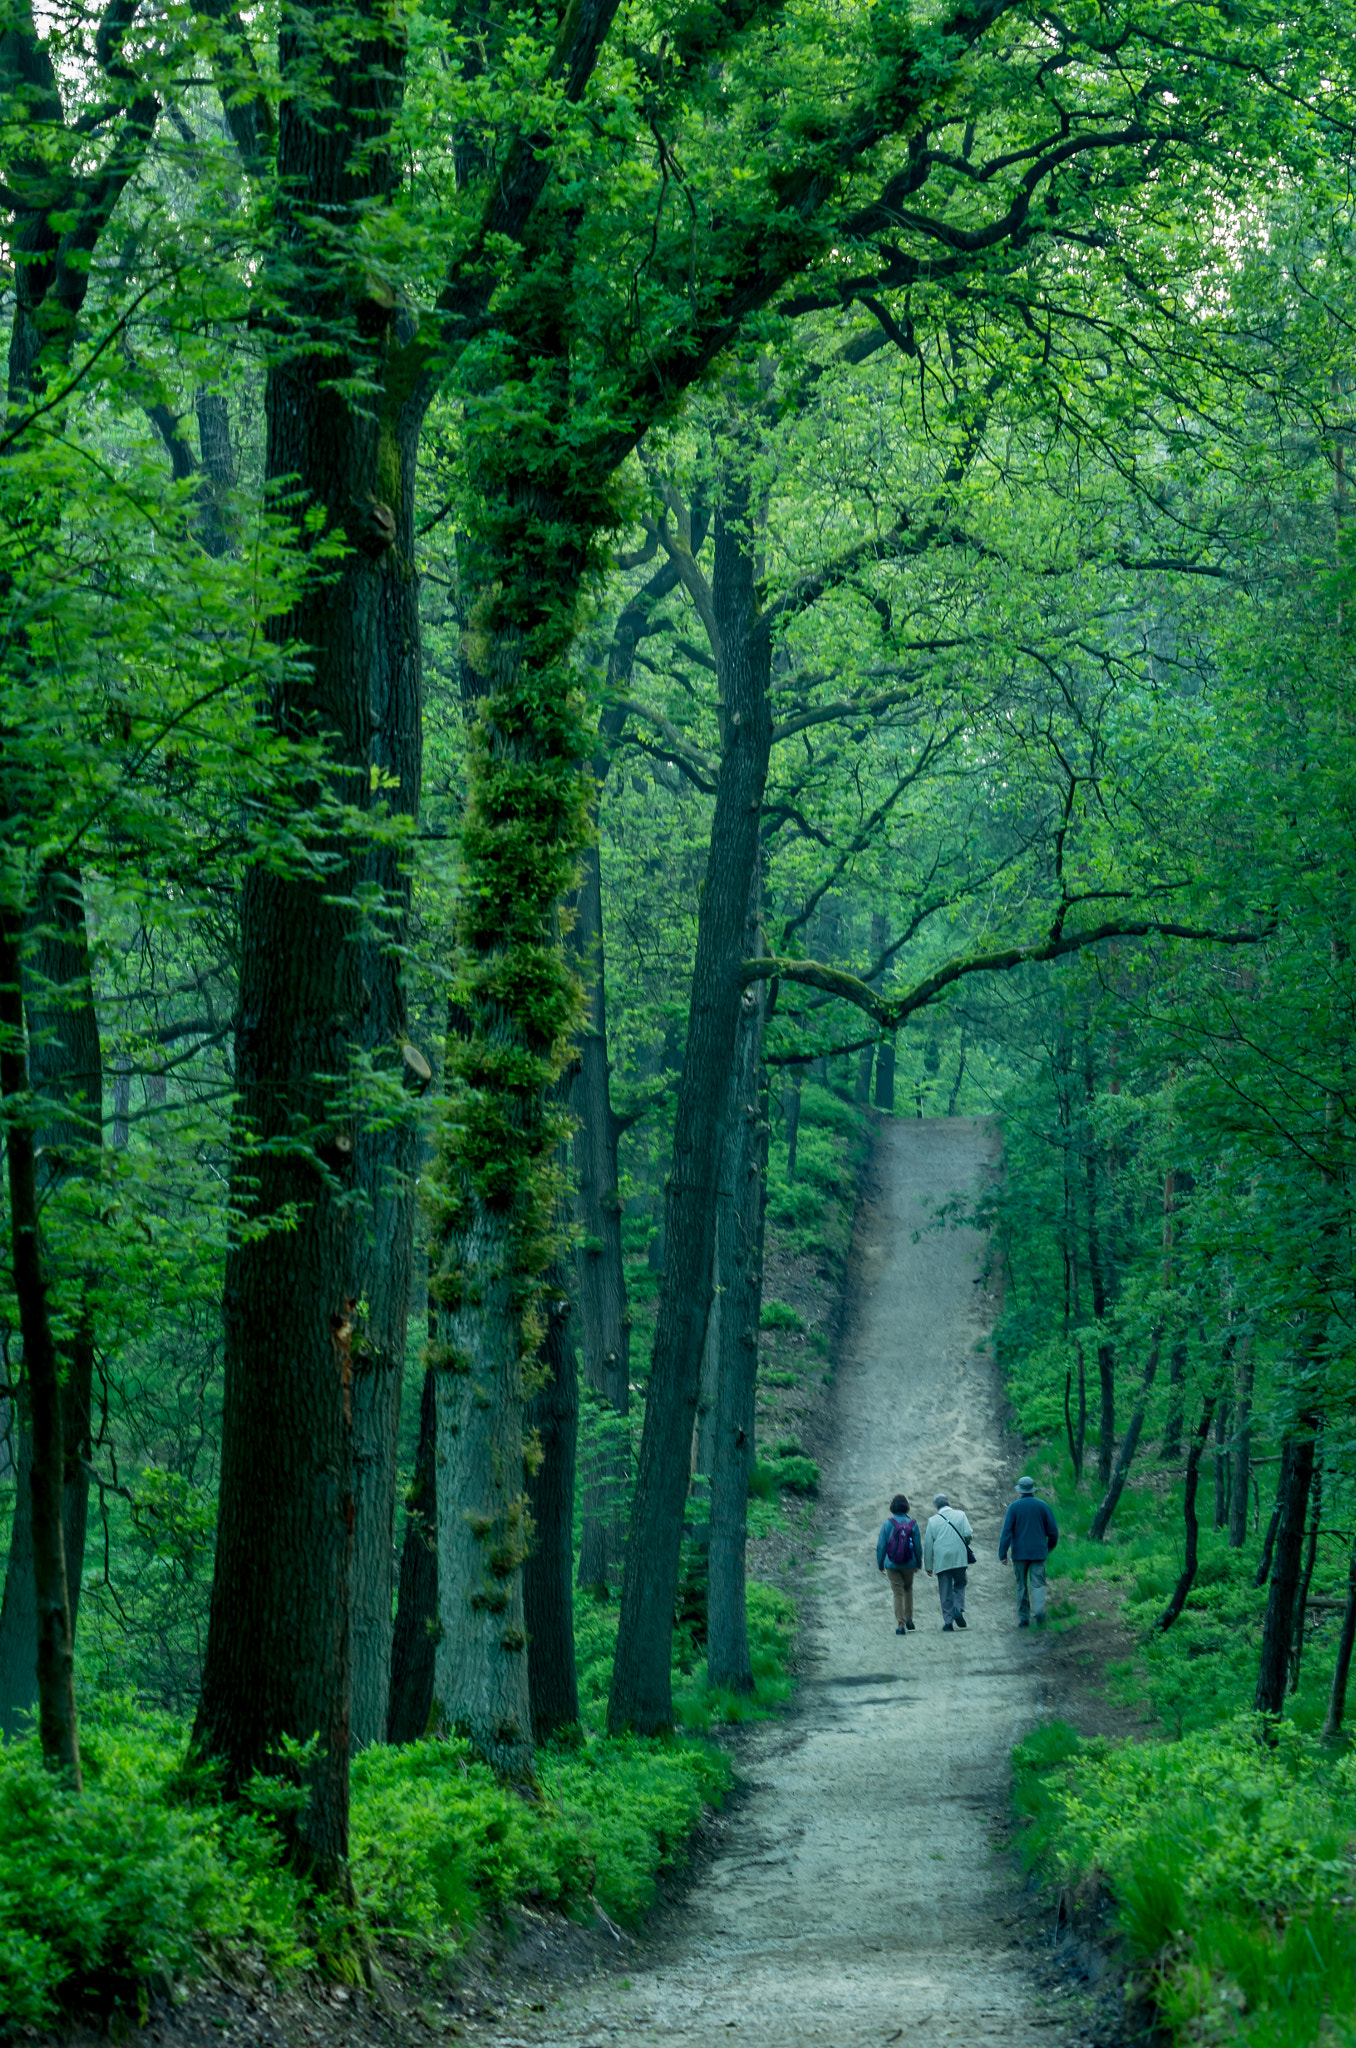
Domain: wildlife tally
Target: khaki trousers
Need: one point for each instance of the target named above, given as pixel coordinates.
(901, 1585)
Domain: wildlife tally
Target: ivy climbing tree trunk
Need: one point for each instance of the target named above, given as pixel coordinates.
(641, 1695)
(279, 1658)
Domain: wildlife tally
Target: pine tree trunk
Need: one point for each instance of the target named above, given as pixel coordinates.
(279, 1659)
(416, 1618)
(548, 1575)
(641, 1685)
(54, 1644)
(739, 1260)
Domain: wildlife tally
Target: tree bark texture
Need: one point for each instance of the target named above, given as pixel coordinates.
(66, 1074)
(791, 1092)
(54, 1647)
(387, 1149)
(641, 1695)
(1111, 1498)
(416, 1619)
(739, 1266)
(279, 1660)
(1278, 1627)
(548, 1575)
(480, 1671)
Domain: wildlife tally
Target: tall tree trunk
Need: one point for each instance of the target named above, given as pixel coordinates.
(517, 1002)
(1190, 1518)
(54, 1647)
(1337, 1698)
(1123, 1463)
(865, 1061)
(739, 1261)
(604, 1333)
(1278, 1627)
(1238, 1498)
(1223, 1471)
(65, 1071)
(387, 1148)
(548, 1575)
(417, 1607)
(604, 1317)
(1264, 1563)
(641, 1683)
(279, 1659)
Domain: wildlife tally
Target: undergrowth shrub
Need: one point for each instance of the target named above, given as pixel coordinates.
(1231, 1861)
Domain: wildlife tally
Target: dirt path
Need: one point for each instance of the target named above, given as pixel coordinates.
(859, 1898)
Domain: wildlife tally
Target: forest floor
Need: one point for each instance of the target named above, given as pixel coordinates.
(861, 1890)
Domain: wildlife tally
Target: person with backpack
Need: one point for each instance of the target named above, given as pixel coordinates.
(898, 1555)
(946, 1550)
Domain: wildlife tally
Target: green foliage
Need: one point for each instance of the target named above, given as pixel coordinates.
(106, 1895)
(785, 1474)
(779, 1315)
(1230, 1859)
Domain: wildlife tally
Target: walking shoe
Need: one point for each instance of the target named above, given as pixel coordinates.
(960, 1621)
(946, 1628)
(1024, 1624)
(1040, 1621)
(899, 1631)
(909, 1626)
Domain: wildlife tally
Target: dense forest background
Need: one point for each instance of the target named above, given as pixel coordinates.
(591, 600)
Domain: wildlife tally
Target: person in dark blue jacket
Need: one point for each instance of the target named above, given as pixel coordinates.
(899, 1570)
(1029, 1532)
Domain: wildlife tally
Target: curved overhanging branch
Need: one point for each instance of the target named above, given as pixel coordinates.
(891, 1011)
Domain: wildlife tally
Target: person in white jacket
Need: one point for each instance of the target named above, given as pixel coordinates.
(946, 1550)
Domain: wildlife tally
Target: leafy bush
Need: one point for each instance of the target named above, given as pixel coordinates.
(779, 1315)
(1230, 1860)
(793, 1474)
(104, 1894)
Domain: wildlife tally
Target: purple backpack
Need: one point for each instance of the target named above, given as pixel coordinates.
(899, 1543)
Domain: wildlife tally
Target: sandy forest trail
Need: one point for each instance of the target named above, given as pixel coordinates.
(858, 1897)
